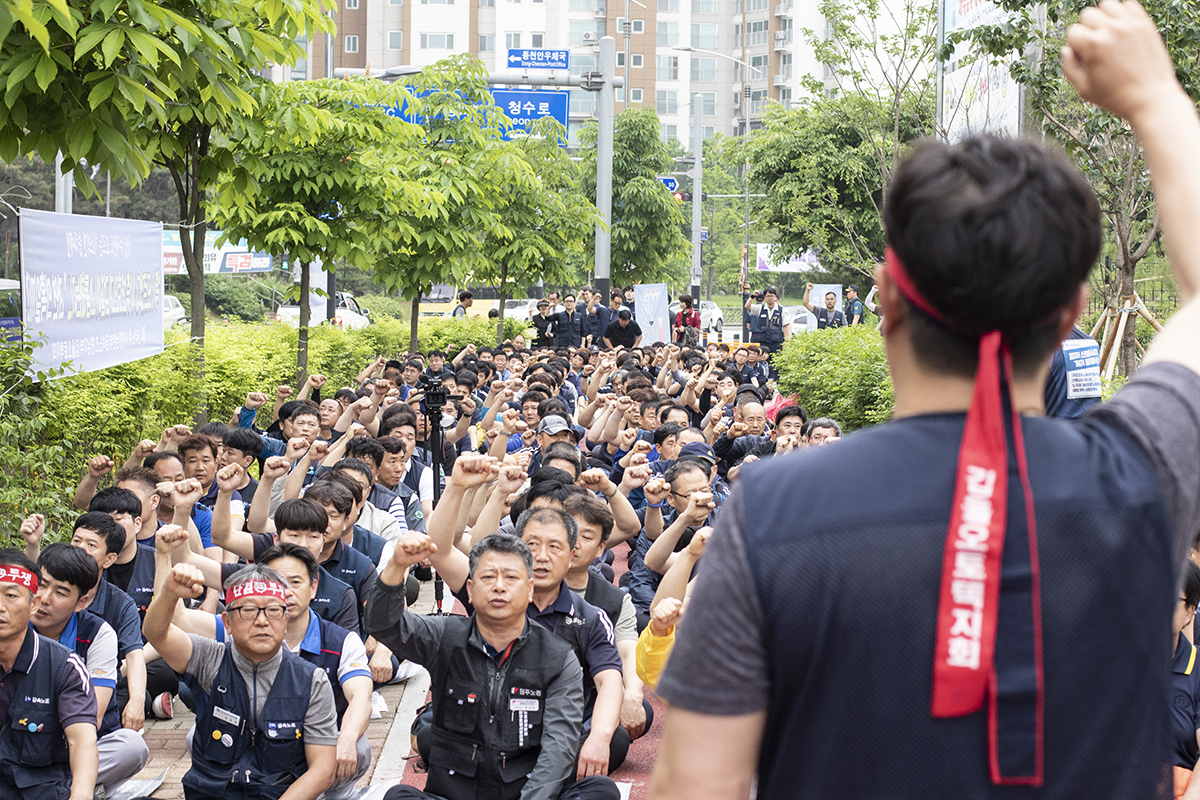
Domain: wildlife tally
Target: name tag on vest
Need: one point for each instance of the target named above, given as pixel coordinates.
(226, 716)
(523, 704)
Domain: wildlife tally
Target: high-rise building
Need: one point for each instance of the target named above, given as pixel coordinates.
(378, 34)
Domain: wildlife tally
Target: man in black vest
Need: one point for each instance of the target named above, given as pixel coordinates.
(773, 328)
(507, 694)
(265, 719)
(830, 316)
(65, 583)
(994, 536)
(568, 324)
(47, 704)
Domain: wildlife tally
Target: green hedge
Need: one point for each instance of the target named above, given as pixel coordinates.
(840, 373)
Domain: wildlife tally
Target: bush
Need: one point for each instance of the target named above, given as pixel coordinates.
(384, 307)
(839, 373)
(456, 333)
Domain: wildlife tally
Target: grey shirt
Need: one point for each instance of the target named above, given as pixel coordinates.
(320, 721)
(719, 663)
(418, 638)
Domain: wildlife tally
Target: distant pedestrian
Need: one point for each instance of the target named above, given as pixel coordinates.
(465, 300)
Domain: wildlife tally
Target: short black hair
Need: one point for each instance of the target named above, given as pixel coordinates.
(356, 465)
(243, 440)
(305, 409)
(197, 442)
(153, 459)
(465, 294)
(499, 543)
(68, 564)
(341, 479)
(1191, 584)
(301, 514)
(666, 431)
(289, 550)
(210, 429)
(624, 314)
(593, 510)
(106, 526)
(790, 411)
(145, 476)
(115, 500)
(349, 395)
(365, 448)
(683, 466)
(996, 234)
(331, 493)
(393, 364)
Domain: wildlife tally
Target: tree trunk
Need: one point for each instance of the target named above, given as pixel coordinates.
(412, 331)
(193, 259)
(305, 316)
(503, 297)
(1128, 344)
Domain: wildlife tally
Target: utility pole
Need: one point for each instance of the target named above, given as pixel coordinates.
(331, 277)
(604, 158)
(697, 191)
(63, 186)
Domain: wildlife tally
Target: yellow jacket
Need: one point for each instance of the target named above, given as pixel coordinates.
(652, 653)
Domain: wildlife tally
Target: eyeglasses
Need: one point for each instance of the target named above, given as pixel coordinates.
(250, 613)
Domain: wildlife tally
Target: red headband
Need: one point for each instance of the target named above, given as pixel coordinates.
(964, 664)
(11, 573)
(257, 588)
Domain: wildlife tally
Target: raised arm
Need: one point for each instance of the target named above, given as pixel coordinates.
(450, 562)
(258, 520)
(238, 542)
(661, 554)
(806, 301)
(183, 582)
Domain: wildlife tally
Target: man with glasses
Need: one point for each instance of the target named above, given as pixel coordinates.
(265, 719)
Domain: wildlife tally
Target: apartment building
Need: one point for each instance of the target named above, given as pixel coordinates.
(675, 49)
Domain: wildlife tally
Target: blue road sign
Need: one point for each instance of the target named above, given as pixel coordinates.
(704, 234)
(524, 107)
(539, 59)
(670, 183)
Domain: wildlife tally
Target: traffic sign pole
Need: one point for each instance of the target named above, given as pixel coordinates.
(697, 192)
(604, 157)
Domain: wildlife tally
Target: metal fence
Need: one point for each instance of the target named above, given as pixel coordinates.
(1160, 298)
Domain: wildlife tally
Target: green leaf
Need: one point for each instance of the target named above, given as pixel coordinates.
(46, 71)
(113, 42)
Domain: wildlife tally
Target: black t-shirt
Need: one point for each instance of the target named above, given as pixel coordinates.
(119, 574)
(623, 337)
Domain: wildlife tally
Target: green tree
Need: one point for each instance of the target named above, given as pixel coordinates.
(545, 220)
(825, 164)
(647, 222)
(315, 175)
(1102, 146)
(465, 168)
(129, 84)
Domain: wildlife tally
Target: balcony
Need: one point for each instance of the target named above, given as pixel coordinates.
(783, 10)
(780, 80)
(783, 40)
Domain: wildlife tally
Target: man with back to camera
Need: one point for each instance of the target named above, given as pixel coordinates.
(47, 703)
(266, 727)
(994, 557)
(494, 661)
(828, 317)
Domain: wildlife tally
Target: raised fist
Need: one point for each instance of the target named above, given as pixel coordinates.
(254, 400)
(275, 468)
(188, 491)
(656, 490)
(144, 448)
(699, 540)
(33, 528)
(473, 470)
(413, 548)
(737, 429)
(169, 537)
(229, 478)
(184, 581)
(99, 466)
(318, 450)
(665, 616)
(317, 381)
(283, 392)
(296, 448)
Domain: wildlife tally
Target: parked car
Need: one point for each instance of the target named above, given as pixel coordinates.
(348, 314)
(712, 319)
(10, 310)
(520, 309)
(802, 321)
(173, 313)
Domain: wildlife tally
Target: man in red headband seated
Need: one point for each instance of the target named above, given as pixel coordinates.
(266, 725)
(940, 640)
(47, 703)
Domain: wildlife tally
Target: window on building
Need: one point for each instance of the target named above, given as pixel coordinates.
(785, 97)
(395, 40)
(638, 26)
(785, 65)
(539, 40)
(512, 41)
(757, 5)
(636, 60)
(737, 36)
(583, 5)
(668, 34)
(437, 2)
(708, 105)
(395, 2)
(757, 32)
(437, 41)
(669, 6)
(760, 67)
(635, 95)
(582, 103)
(351, 5)
(704, 34)
(299, 71)
(351, 44)
(707, 131)
(704, 6)
(666, 101)
(487, 3)
(579, 27)
(704, 69)
(619, 94)
(668, 133)
(758, 102)
(621, 58)
(487, 44)
(583, 62)
(668, 68)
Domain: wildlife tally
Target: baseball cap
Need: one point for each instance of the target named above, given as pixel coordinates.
(553, 424)
(852, 287)
(698, 450)
(543, 302)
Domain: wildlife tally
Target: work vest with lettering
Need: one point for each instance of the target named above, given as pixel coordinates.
(487, 719)
(34, 760)
(849, 605)
(238, 754)
(770, 325)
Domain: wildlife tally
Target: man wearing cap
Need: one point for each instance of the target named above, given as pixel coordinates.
(854, 306)
(623, 332)
(554, 427)
(47, 703)
(829, 316)
(266, 725)
(543, 323)
(994, 536)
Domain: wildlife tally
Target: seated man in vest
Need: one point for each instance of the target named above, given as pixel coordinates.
(65, 583)
(266, 725)
(518, 740)
(552, 535)
(47, 704)
(994, 537)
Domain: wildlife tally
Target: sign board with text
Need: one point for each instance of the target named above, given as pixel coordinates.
(229, 259)
(539, 59)
(524, 107)
(93, 287)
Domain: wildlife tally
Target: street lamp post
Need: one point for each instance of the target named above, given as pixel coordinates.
(687, 48)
